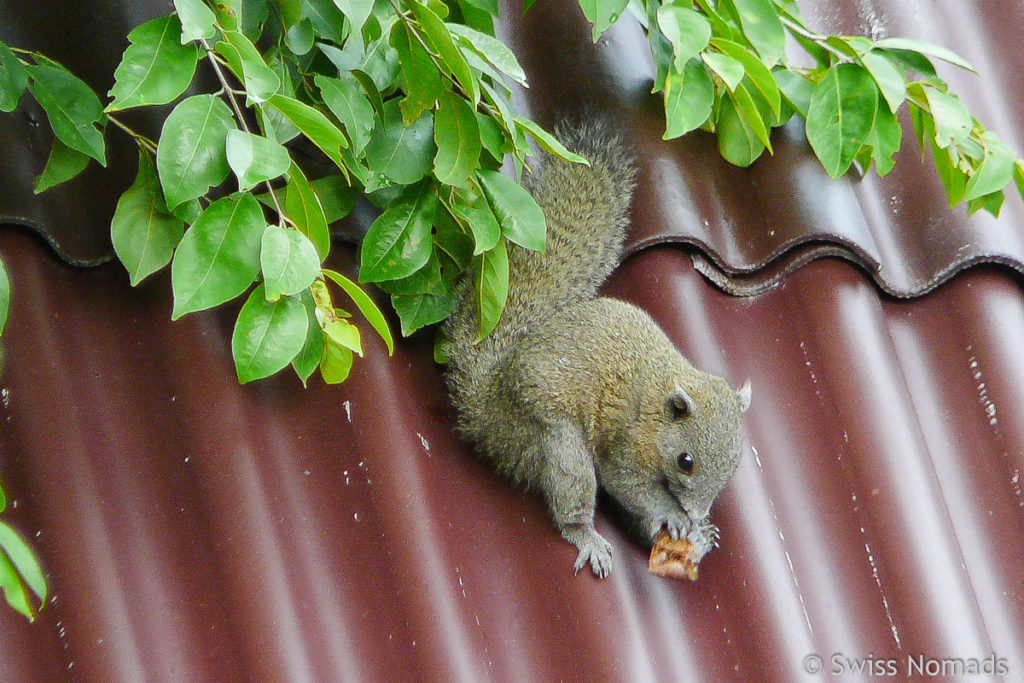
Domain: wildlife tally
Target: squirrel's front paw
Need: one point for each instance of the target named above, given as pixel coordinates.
(593, 548)
(677, 523)
(703, 536)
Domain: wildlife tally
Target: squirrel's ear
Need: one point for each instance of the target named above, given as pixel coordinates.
(679, 404)
(743, 396)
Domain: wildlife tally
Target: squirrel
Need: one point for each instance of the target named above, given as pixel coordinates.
(572, 391)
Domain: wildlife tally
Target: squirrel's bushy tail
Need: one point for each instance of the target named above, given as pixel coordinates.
(586, 209)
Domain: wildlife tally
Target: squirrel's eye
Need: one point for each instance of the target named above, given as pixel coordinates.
(685, 462)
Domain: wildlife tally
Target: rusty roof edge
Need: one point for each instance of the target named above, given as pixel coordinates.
(770, 274)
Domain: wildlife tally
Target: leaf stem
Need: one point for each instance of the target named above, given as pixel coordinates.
(229, 93)
(139, 137)
(817, 38)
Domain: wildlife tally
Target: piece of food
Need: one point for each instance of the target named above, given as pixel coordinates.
(674, 559)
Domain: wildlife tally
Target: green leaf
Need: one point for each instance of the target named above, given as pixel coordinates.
(300, 39)
(304, 208)
(851, 46)
(491, 49)
(24, 561)
(757, 73)
(13, 79)
(991, 202)
(457, 136)
(63, 164)
(739, 139)
(314, 125)
(491, 288)
(380, 63)
(190, 155)
(260, 81)
(995, 170)
(267, 335)
(366, 306)
(908, 60)
(356, 10)
(500, 101)
(5, 296)
(884, 140)
(155, 68)
(14, 591)
(757, 121)
(288, 260)
(346, 100)
(336, 197)
(687, 30)
(925, 48)
(488, 6)
(275, 126)
(344, 333)
(328, 21)
(398, 243)
(439, 37)
(219, 256)
(602, 13)
(796, 88)
(840, 115)
(254, 158)
(953, 123)
(762, 27)
(662, 52)
(246, 16)
(954, 180)
(307, 360)
(924, 126)
(187, 212)
(427, 280)
(689, 97)
(478, 218)
(1018, 179)
(402, 155)
(453, 244)
(370, 88)
(521, 220)
(720, 26)
(72, 108)
(336, 363)
(891, 82)
(423, 84)
(549, 142)
(197, 20)
(416, 311)
(144, 234)
(492, 137)
(728, 69)
(486, 71)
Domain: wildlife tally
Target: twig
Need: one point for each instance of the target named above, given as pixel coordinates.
(229, 92)
(139, 138)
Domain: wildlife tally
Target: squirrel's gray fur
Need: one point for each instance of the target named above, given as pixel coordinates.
(571, 391)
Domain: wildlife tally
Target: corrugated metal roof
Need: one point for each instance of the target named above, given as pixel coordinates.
(194, 529)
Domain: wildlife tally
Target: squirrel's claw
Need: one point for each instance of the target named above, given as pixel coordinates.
(677, 524)
(703, 536)
(593, 548)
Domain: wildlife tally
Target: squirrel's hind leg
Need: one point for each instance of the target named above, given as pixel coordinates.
(569, 485)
